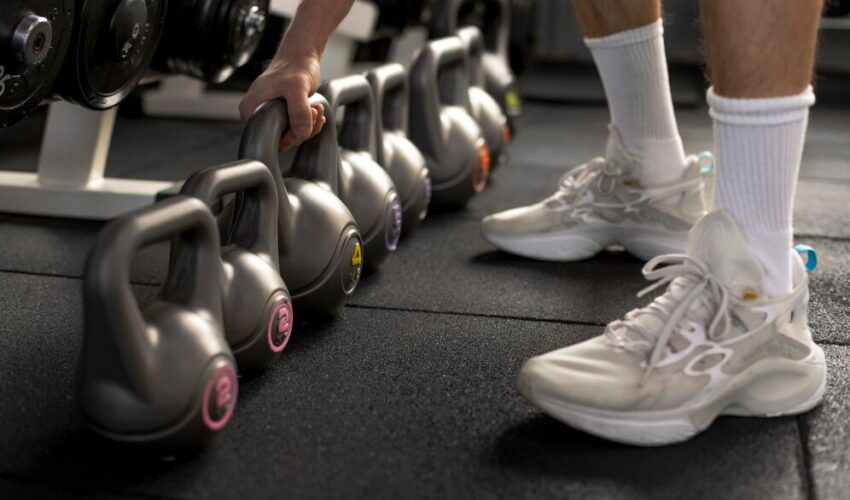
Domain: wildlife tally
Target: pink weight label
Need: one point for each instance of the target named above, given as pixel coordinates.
(280, 325)
(219, 398)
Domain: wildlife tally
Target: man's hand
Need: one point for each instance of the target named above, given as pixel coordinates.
(294, 79)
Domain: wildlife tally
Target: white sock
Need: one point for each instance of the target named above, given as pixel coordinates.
(759, 145)
(633, 67)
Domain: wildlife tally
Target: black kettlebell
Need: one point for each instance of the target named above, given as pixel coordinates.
(493, 17)
(161, 377)
(255, 302)
(440, 123)
(400, 158)
(320, 247)
(485, 109)
(500, 80)
(364, 186)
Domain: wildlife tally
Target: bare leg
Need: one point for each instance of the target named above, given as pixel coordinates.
(600, 18)
(760, 49)
(760, 59)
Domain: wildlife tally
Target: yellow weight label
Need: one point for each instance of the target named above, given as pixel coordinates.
(357, 256)
(512, 100)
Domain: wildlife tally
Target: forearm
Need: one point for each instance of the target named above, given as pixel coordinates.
(311, 27)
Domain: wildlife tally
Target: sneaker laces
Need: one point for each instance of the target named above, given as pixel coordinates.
(694, 284)
(576, 182)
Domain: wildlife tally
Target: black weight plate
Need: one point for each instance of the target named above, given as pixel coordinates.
(210, 39)
(24, 85)
(246, 20)
(113, 44)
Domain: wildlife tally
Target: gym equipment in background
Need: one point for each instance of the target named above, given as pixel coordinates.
(399, 157)
(457, 156)
(255, 302)
(364, 186)
(210, 39)
(493, 17)
(112, 46)
(161, 377)
(485, 109)
(836, 8)
(34, 38)
(321, 250)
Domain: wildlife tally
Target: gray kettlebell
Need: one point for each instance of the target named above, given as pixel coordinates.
(364, 186)
(255, 302)
(501, 83)
(399, 157)
(320, 247)
(160, 377)
(440, 123)
(485, 109)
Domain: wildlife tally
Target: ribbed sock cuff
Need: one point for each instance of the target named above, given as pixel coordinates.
(761, 111)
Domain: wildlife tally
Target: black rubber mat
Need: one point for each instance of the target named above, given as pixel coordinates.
(379, 404)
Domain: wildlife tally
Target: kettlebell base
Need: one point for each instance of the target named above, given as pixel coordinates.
(192, 433)
(268, 341)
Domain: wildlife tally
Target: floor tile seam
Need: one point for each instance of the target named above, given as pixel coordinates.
(804, 459)
(476, 315)
(65, 276)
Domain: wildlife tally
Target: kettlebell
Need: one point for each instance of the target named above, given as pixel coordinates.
(399, 157)
(364, 186)
(494, 17)
(160, 377)
(485, 109)
(441, 127)
(255, 302)
(319, 244)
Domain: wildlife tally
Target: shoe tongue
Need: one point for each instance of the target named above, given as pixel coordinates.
(717, 241)
(616, 152)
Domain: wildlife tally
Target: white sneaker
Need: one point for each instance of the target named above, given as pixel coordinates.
(710, 345)
(598, 205)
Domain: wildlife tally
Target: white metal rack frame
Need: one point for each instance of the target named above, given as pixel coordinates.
(69, 180)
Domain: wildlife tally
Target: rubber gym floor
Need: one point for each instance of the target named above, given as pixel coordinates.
(410, 393)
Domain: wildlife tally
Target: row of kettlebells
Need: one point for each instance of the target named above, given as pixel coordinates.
(163, 376)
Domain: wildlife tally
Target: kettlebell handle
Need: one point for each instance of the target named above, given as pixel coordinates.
(358, 128)
(254, 220)
(193, 280)
(389, 86)
(452, 62)
(316, 159)
(473, 39)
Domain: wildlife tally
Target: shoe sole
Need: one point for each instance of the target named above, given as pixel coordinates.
(763, 390)
(578, 244)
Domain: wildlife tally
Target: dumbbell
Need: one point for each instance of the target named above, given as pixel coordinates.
(485, 109)
(399, 157)
(161, 377)
(210, 39)
(111, 49)
(256, 305)
(321, 250)
(34, 38)
(364, 186)
(440, 123)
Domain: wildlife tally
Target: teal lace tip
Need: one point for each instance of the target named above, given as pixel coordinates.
(810, 257)
(706, 159)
